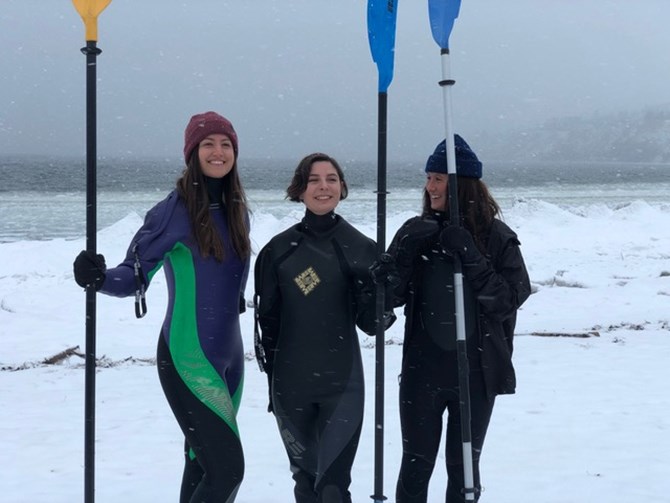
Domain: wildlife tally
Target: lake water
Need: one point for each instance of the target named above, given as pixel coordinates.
(45, 198)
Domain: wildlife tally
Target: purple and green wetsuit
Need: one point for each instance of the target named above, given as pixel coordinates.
(200, 355)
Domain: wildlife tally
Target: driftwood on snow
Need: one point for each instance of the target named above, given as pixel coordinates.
(59, 357)
(581, 335)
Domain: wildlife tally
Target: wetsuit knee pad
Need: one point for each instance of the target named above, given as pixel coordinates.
(414, 476)
(333, 494)
(303, 489)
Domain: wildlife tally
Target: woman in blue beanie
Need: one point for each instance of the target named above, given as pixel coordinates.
(199, 234)
(495, 284)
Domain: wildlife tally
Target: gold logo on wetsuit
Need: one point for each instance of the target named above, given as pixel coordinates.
(307, 280)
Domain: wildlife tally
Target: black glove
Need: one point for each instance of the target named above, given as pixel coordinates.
(384, 271)
(89, 270)
(416, 236)
(455, 239)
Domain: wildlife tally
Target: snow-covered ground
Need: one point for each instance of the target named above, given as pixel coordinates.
(590, 420)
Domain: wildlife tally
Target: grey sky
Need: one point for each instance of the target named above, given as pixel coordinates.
(296, 76)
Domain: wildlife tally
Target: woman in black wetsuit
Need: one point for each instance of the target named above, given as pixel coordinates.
(313, 287)
(495, 284)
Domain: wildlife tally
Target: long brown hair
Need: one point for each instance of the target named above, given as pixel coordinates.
(192, 188)
(476, 206)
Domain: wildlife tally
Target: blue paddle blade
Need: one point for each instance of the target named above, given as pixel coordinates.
(381, 34)
(442, 14)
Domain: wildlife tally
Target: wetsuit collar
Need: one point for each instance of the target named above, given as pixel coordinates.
(214, 190)
(319, 223)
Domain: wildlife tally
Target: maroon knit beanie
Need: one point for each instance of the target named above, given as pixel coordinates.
(201, 126)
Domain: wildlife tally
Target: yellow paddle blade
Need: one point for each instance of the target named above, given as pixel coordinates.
(89, 10)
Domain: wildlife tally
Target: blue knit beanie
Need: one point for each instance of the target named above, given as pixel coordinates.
(467, 163)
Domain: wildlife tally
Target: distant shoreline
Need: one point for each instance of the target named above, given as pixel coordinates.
(67, 173)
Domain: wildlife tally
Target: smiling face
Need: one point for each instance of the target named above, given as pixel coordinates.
(436, 187)
(324, 188)
(216, 155)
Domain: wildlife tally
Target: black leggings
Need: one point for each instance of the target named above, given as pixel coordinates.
(424, 397)
(215, 475)
(321, 437)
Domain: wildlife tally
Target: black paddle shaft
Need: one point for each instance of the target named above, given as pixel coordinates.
(91, 52)
(380, 299)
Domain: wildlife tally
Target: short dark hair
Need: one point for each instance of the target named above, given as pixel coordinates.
(301, 176)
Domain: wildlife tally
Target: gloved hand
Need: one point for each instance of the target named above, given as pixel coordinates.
(455, 239)
(89, 270)
(384, 271)
(416, 236)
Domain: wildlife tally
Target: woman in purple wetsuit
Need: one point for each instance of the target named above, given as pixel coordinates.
(199, 234)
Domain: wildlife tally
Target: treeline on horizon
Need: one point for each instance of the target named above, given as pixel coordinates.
(624, 137)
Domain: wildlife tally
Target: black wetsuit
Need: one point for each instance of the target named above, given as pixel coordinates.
(313, 287)
(493, 291)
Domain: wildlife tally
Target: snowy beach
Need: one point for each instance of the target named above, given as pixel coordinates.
(590, 420)
(566, 103)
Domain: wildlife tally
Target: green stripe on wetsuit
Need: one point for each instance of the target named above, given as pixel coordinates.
(189, 359)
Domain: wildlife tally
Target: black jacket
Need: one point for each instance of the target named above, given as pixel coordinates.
(497, 286)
